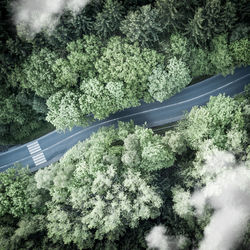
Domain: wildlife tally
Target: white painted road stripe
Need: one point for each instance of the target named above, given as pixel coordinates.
(39, 159)
(32, 144)
(34, 147)
(34, 151)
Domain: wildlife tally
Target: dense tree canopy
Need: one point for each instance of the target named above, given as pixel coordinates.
(108, 191)
(142, 26)
(117, 46)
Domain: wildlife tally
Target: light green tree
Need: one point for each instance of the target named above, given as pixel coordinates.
(79, 63)
(163, 83)
(201, 64)
(220, 55)
(179, 47)
(95, 196)
(214, 121)
(240, 51)
(101, 99)
(129, 64)
(64, 110)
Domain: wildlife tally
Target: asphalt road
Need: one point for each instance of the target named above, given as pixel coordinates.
(49, 148)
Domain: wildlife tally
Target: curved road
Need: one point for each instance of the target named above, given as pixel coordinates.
(49, 148)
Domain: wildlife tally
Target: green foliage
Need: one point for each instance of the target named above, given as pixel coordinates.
(17, 118)
(79, 63)
(39, 105)
(241, 31)
(195, 29)
(37, 73)
(84, 207)
(101, 100)
(212, 17)
(17, 193)
(220, 55)
(240, 52)
(108, 21)
(173, 14)
(165, 83)
(122, 62)
(215, 122)
(209, 20)
(179, 47)
(201, 65)
(142, 25)
(64, 110)
(181, 199)
(71, 26)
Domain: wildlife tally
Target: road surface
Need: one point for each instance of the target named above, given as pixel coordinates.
(49, 148)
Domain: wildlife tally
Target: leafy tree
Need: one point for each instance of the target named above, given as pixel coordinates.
(142, 25)
(79, 63)
(122, 62)
(220, 56)
(37, 73)
(181, 199)
(214, 122)
(64, 111)
(165, 83)
(94, 196)
(18, 196)
(240, 52)
(201, 64)
(17, 118)
(101, 100)
(179, 47)
(108, 21)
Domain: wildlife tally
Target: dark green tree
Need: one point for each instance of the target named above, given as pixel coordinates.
(173, 14)
(142, 25)
(108, 21)
(195, 29)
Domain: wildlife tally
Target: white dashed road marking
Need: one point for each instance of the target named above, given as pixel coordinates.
(39, 158)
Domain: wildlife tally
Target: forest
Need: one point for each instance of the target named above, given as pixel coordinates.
(70, 63)
(109, 191)
(109, 56)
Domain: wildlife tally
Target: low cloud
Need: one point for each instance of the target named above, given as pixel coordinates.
(35, 15)
(158, 239)
(228, 194)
